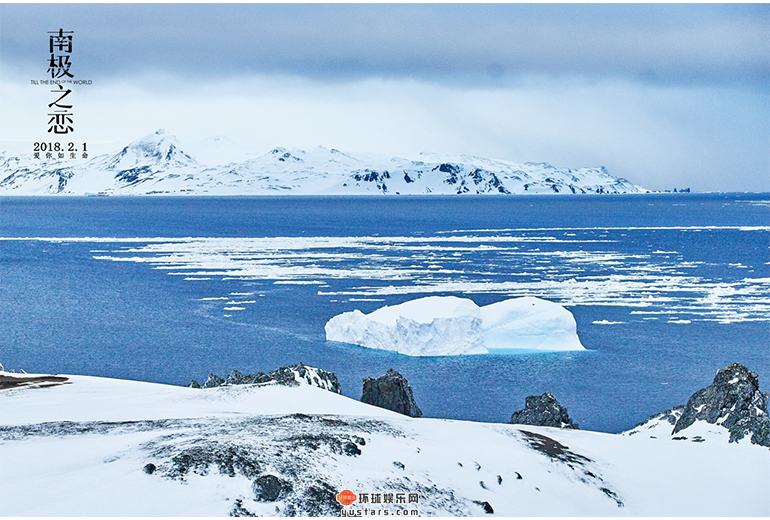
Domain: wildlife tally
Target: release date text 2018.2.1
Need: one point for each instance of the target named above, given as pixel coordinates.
(56, 150)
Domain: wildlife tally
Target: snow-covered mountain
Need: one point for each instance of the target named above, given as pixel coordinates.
(292, 445)
(157, 163)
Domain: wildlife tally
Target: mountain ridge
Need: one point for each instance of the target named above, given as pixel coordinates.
(157, 163)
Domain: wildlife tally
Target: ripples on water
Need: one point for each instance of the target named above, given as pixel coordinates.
(665, 290)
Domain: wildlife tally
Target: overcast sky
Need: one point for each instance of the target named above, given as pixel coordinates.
(664, 95)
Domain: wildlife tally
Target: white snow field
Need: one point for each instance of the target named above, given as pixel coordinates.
(82, 446)
(448, 326)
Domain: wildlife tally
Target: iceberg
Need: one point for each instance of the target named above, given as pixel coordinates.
(529, 323)
(451, 326)
(431, 326)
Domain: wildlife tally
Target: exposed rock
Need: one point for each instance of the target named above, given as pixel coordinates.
(7, 382)
(543, 410)
(663, 421)
(239, 510)
(236, 378)
(149, 468)
(311, 376)
(350, 448)
(733, 401)
(269, 488)
(194, 384)
(290, 376)
(229, 460)
(391, 392)
(320, 499)
(485, 506)
(213, 381)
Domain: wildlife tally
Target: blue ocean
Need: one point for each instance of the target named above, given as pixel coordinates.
(665, 289)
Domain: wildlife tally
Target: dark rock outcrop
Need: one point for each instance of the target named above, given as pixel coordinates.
(212, 381)
(282, 376)
(319, 499)
(269, 488)
(312, 376)
(733, 401)
(543, 410)
(391, 392)
(228, 459)
(485, 506)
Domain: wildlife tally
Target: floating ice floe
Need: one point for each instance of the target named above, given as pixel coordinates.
(447, 326)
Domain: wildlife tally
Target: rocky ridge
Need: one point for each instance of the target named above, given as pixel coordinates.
(293, 375)
(391, 392)
(732, 401)
(543, 410)
(157, 164)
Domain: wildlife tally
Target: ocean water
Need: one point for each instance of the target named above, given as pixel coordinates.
(665, 290)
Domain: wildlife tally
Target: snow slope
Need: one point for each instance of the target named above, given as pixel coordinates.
(82, 446)
(448, 326)
(156, 163)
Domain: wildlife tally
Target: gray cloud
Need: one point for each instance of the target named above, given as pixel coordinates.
(666, 95)
(488, 45)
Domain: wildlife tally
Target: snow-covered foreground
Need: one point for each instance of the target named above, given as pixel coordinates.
(81, 446)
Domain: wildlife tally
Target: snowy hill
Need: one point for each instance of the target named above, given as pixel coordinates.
(105, 447)
(157, 163)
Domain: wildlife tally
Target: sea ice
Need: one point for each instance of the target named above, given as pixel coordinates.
(447, 325)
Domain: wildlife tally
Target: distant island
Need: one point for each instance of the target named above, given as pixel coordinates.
(156, 164)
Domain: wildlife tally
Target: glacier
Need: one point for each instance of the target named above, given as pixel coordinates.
(451, 326)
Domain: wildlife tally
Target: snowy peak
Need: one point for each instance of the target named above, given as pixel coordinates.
(155, 151)
(157, 163)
